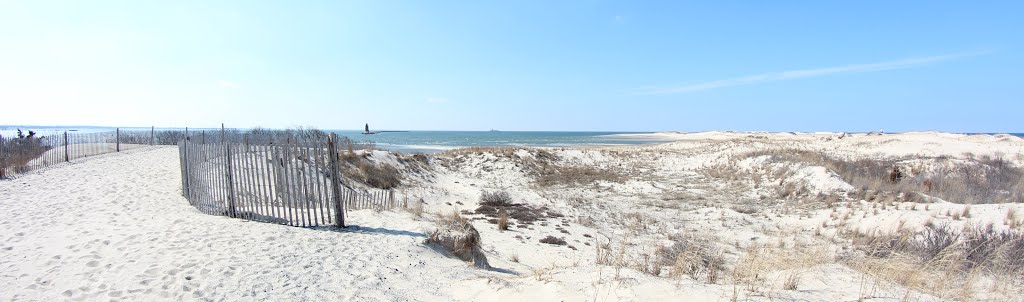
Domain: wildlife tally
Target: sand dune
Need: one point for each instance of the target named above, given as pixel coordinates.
(116, 227)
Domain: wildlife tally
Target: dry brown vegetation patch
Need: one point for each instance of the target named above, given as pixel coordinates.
(970, 180)
(553, 240)
(940, 258)
(544, 166)
(498, 205)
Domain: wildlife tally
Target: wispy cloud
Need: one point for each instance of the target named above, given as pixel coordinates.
(810, 73)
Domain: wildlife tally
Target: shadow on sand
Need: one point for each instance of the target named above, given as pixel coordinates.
(368, 230)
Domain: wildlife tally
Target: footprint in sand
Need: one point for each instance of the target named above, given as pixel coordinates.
(93, 263)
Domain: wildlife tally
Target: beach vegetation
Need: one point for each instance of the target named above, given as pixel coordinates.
(456, 236)
(975, 179)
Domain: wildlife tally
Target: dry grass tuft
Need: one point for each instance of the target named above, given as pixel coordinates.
(792, 281)
(379, 176)
(502, 220)
(457, 236)
(940, 257)
(760, 261)
(548, 175)
(699, 258)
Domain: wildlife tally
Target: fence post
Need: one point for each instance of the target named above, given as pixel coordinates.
(117, 139)
(152, 135)
(339, 210)
(66, 157)
(231, 183)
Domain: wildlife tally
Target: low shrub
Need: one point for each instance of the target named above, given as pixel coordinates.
(496, 199)
(553, 240)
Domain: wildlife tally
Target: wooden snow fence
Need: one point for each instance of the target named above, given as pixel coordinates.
(31, 151)
(294, 181)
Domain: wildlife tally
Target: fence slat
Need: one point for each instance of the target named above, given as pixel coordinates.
(303, 176)
(279, 183)
(232, 196)
(269, 180)
(321, 189)
(251, 190)
(288, 182)
(269, 193)
(208, 182)
(313, 196)
(198, 180)
(213, 179)
(216, 199)
(322, 196)
(241, 190)
(243, 162)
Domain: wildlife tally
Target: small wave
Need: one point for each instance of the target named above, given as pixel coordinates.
(419, 147)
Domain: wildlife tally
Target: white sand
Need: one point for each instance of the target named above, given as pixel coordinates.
(115, 227)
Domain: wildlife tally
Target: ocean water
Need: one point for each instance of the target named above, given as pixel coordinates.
(435, 141)
(426, 141)
(416, 141)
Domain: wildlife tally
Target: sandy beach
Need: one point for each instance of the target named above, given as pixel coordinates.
(115, 227)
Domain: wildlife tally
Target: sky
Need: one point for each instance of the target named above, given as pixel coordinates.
(954, 66)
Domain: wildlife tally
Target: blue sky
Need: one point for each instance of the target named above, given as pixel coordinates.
(516, 65)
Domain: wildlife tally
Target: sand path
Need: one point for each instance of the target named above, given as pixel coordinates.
(117, 228)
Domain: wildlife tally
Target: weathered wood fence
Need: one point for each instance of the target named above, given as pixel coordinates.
(28, 151)
(286, 179)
